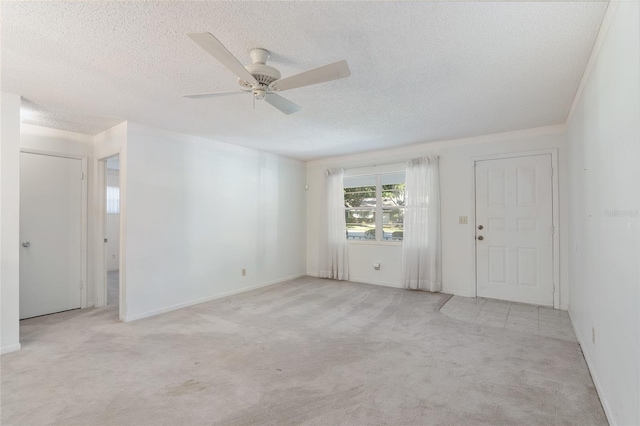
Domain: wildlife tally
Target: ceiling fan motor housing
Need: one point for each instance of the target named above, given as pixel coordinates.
(264, 74)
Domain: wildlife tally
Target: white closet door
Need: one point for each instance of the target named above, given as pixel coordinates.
(50, 234)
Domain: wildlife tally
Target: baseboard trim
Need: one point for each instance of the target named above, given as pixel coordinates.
(603, 399)
(166, 309)
(10, 348)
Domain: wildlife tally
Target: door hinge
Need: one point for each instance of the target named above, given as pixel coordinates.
(81, 175)
(553, 230)
(554, 288)
(552, 171)
(106, 240)
(81, 285)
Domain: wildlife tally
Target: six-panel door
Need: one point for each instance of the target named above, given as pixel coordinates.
(514, 229)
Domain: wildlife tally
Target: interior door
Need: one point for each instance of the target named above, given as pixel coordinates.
(514, 229)
(50, 234)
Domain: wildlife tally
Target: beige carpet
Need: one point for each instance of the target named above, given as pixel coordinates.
(308, 351)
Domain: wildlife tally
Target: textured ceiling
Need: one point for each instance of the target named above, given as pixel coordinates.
(59, 118)
(421, 71)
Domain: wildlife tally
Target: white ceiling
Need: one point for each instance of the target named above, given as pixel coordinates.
(421, 71)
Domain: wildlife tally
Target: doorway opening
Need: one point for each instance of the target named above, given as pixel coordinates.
(111, 212)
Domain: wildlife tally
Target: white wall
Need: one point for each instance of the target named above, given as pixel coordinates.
(113, 227)
(55, 141)
(198, 212)
(604, 151)
(9, 221)
(456, 180)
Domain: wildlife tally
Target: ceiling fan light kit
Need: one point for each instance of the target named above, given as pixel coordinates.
(262, 80)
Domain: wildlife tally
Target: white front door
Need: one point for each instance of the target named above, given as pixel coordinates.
(514, 229)
(50, 234)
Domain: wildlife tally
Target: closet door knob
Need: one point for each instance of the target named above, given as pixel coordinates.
(480, 237)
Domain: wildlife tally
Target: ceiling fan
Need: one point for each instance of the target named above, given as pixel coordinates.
(261, 80)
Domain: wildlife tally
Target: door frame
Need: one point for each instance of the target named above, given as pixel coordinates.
(554, 206)
(84, 196)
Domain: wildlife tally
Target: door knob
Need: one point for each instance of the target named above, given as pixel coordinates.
(480, 227)
(26, 244)
(480, 237)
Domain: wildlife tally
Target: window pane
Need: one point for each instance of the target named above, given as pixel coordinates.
(390, 178)
(393, 224)
(362, 196)
(362, 199)
(113, 200)
(361, 224)
(393, 195)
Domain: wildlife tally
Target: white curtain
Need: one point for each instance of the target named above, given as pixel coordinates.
(334, 262)
(421, 251)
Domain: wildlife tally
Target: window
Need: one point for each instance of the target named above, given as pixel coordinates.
(374, 206)
(113, 200)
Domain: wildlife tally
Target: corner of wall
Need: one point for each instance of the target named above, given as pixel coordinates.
(596, 381)
(111, 142)
(10, 222)
(10, 348)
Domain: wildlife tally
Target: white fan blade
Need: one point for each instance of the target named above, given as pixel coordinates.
(323, 74)
(281, 103)
(213, 46)
(215, 94)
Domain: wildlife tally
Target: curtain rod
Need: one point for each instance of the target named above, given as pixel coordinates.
(355, 170)
(402, 163)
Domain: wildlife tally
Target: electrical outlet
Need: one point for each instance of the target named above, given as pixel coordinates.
(244, 272)
(593, 335)
(463, 220)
